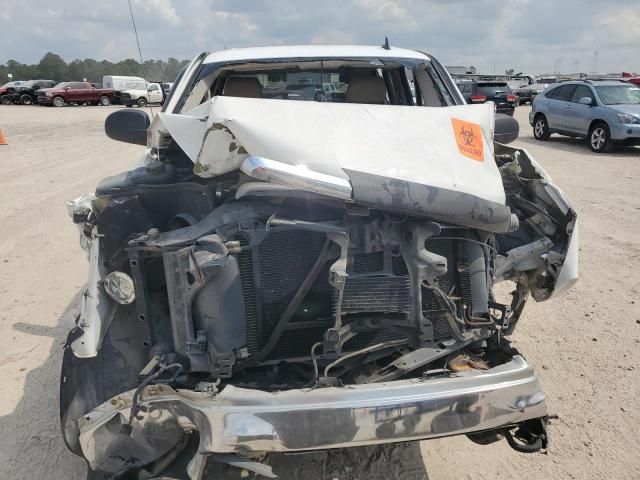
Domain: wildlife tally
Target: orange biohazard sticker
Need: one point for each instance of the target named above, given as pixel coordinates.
(468, 136)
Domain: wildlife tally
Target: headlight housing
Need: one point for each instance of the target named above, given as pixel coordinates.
(628, 118)
(48, 94)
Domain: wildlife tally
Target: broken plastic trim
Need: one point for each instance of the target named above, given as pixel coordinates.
(297, 176)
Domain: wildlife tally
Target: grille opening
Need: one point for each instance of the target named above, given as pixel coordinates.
(272, 271)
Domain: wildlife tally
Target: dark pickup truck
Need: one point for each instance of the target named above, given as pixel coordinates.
(75, 92)
(4, 89)
(26, 92)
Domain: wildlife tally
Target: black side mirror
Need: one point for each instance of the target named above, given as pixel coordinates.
(506, 129)
(129, 126)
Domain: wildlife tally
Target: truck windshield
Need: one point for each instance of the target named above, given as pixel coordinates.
(619, 94)
(407, 82)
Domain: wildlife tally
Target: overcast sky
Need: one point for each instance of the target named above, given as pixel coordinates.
(528, 35)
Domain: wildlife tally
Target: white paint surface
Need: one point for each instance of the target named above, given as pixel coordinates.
(416, 144)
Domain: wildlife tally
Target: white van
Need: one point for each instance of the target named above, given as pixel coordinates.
(121, 83)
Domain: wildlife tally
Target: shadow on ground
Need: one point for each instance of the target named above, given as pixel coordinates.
(33, 447)
(36, 446)
(577, 145)
(383, 462)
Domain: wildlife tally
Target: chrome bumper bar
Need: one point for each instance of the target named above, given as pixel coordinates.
(238, 420)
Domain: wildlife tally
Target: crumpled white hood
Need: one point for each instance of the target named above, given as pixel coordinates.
(446, 147)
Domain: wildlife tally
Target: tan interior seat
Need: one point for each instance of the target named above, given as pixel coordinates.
(248, 87)
(370, 90)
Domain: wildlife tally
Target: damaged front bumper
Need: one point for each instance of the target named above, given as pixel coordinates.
(245, 421)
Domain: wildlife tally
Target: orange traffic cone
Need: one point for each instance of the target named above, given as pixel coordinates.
(3, 141)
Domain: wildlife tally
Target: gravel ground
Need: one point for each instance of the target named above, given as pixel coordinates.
(586, 343)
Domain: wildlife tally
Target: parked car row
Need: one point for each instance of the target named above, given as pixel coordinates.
(50, 93)
(127, 91)
(132, 91)
(23, 92)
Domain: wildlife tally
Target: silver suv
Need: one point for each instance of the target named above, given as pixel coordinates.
(605, 112)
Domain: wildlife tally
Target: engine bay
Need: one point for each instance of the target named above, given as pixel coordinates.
(277, 288)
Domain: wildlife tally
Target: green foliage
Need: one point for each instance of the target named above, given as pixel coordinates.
(53, 67)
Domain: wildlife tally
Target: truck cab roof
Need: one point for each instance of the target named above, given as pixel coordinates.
(312, 51)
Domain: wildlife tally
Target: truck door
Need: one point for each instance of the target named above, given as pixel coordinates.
(155, 93)
(81, 92)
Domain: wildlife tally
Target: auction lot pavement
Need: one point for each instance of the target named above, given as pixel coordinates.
(586, 344)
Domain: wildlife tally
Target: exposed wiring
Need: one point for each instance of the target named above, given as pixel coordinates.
(371, 348)
(315, 360)
(453, 319)
(535, 206)
(135, 407)
(465, 239)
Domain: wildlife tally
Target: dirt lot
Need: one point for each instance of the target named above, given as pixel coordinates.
(586, 343)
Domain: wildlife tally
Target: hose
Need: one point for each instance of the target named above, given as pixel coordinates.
(369, 349)
(135, 407)
(451, 319)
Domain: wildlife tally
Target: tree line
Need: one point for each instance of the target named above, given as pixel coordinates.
(53, 67)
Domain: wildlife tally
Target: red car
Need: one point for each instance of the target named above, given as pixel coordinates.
(75, 92)
(635, 80)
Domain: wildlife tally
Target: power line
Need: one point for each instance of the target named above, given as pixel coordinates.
(144, 74)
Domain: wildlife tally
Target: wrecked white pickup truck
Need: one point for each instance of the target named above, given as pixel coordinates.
(292, 270)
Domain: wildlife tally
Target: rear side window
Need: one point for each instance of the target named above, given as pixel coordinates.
(552, 92)
(581, 91)
(563, 92)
